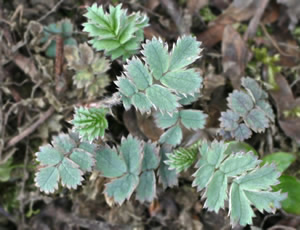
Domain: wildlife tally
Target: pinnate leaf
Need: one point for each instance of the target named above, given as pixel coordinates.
(182, 158)
(90, 123)
(66, 159)
(251, 184)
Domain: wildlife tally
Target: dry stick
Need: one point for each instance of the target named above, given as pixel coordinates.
(176, 16)
(250, 33)
(51, 11)
(59, 58)
(274, 43)
(30, 129)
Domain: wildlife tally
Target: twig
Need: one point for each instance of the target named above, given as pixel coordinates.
(51, 11)
(274, 43)
(30, 129)
(255, 20)
(176, 16)
(59, 58)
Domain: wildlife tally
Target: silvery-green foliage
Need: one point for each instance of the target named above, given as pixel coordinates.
(249, 111)
(90, 123)
(182, 158)
(115, 32)
(65, 160)
(167, 177)
(131, 167)
(238, 178)
(162, 80)
(90, 69)
(189, 118)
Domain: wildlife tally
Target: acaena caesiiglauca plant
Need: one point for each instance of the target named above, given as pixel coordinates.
(162, 82)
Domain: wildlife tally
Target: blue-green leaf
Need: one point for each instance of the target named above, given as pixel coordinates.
(131, 151)
(172, 136)
(47, 179)
(71, 175)
(257, 120)
(167, 177)
(82, 158)
(157, 57)
(183, 81)
(193, 119)
(165, 120)
(109, 163)
(122, 188)
(185, 52)
(141, 102)
(240, 102)
(49, 155)
(139, 74)
(151, 159)
(147, 187)
(162, 98)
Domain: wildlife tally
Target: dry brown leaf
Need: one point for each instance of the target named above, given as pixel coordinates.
(231, 15)
(235, 55)
(285, 100)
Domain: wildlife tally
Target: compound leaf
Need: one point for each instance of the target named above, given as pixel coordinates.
(182, 158)
(185, 52)
(122, 188)
(193, 119)
(157, 57)
(90, 123)
(115, 32)
(109, 163)
(147, 187)
(47, 179)
(172, 136)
